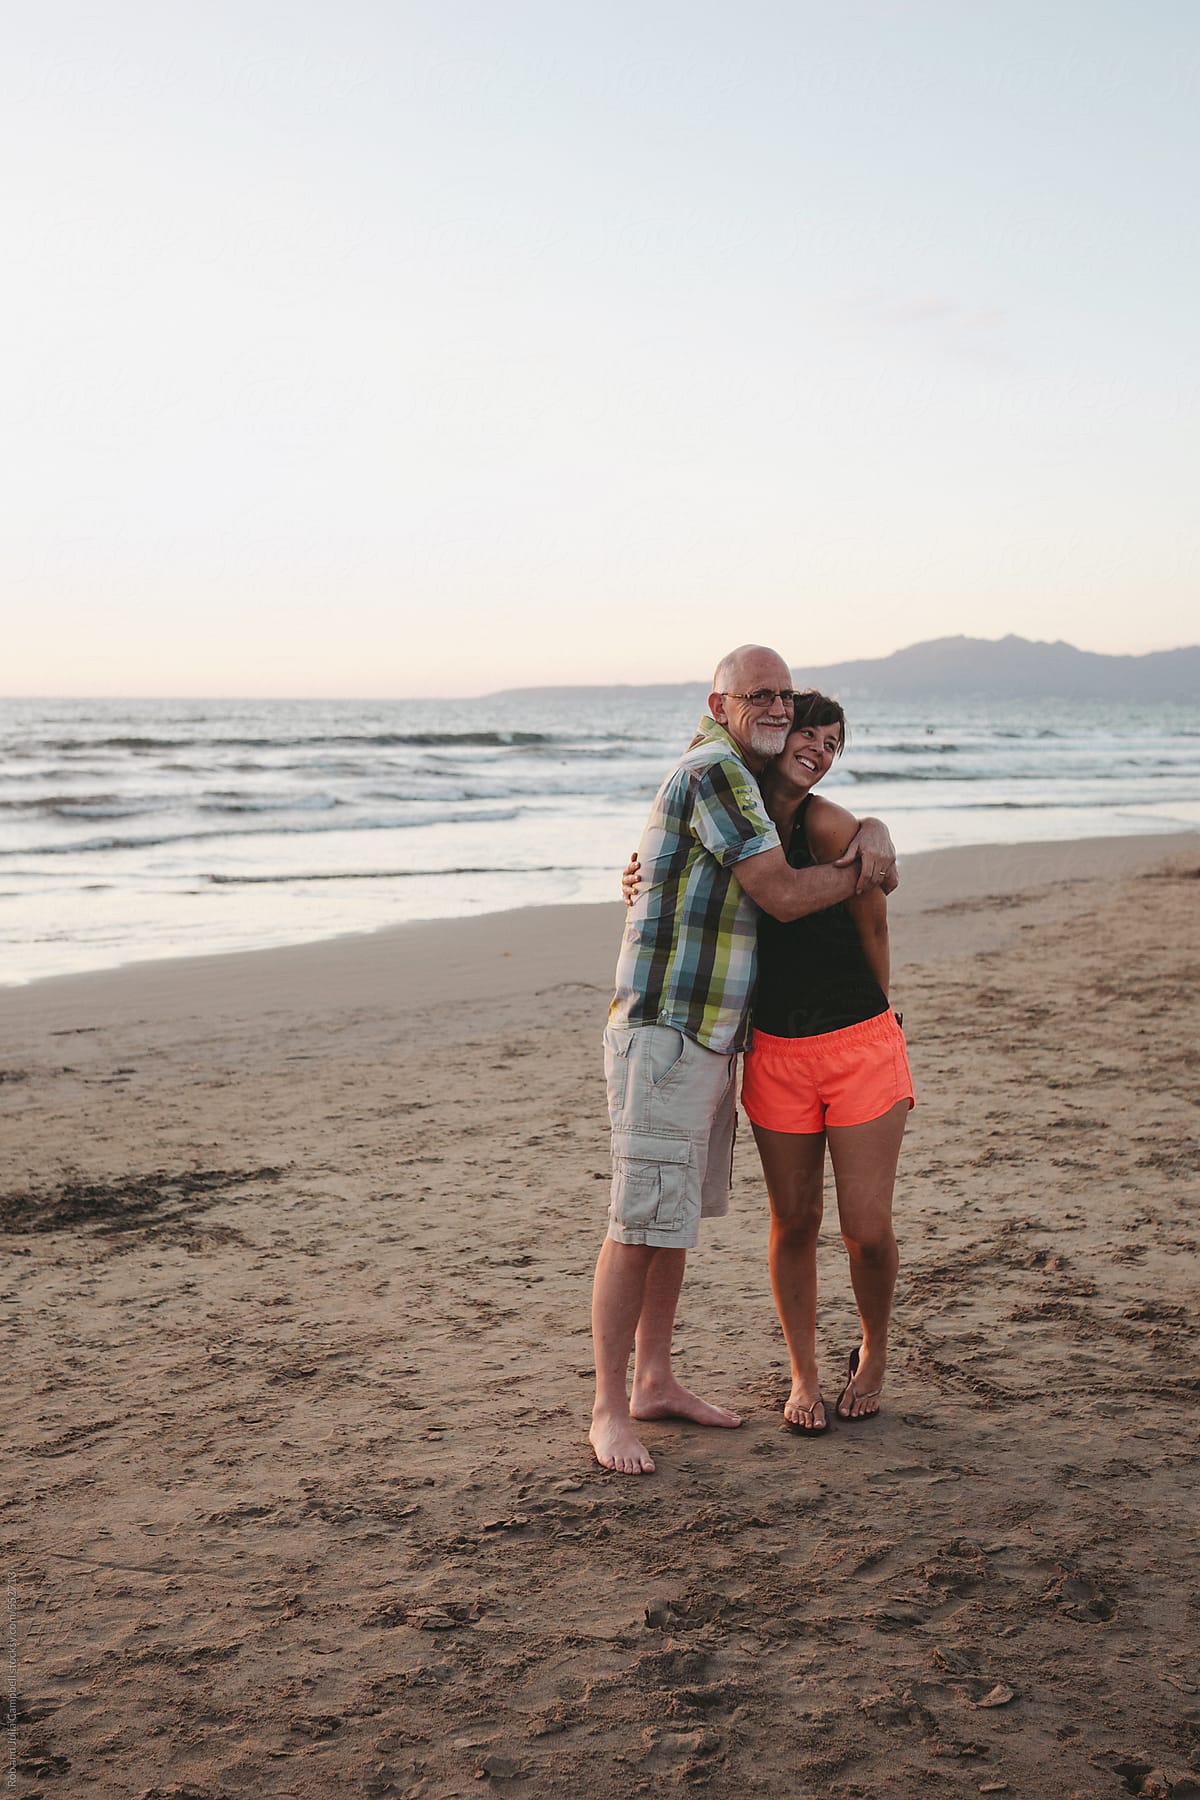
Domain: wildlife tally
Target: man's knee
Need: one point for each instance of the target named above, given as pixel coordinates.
(627, 1256)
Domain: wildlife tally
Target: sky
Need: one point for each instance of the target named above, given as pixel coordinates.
(387, 349)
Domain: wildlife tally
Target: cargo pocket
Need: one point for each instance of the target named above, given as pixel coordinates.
(649, 1181)
(616, 1068)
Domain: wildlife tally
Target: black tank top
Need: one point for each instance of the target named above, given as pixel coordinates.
(812, 974)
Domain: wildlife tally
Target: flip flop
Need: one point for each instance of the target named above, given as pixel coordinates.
(854, 1418)
(810, 1430)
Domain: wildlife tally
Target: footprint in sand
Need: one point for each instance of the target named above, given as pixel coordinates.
(1080, 1597)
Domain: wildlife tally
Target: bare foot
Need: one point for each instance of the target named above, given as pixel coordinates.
(859, 1399)
(617, 1448)
(671, 1400)
(805, 1411)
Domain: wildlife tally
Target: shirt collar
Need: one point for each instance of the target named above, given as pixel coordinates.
(709, 732)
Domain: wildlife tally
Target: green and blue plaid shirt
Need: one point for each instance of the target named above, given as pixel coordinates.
(687, 956)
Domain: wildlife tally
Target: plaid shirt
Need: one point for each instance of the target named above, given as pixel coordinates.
(687, 956)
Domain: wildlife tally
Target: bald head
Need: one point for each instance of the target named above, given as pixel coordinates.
(734, 669)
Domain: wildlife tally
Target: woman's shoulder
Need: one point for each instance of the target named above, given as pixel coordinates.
(828, 827)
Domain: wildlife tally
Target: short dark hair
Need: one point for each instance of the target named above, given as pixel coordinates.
(814, 708)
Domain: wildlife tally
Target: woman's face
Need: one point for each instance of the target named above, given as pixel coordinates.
(808, 754)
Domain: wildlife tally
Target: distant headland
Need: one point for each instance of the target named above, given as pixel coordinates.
(968, 668)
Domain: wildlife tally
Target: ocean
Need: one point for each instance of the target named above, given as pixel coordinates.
(152, 828)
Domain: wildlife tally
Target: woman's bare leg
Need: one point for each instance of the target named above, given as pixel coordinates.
(864, 1161)
(794, 1167)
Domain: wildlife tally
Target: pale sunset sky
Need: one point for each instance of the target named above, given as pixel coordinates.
(392, 349)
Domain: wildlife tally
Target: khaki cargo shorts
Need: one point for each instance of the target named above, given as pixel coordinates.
(673, 1108)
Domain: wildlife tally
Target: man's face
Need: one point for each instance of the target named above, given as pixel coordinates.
(758, 728)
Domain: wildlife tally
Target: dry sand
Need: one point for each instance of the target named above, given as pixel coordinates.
(297, 1496)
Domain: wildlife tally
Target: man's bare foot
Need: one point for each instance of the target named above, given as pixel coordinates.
(859, 1399)
(618, 1448)
(805, 1411)
(671, 1400)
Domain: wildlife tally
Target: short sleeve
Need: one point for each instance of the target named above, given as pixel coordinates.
(728, 815)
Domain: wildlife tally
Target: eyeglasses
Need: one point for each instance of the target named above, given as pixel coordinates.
(764, 696)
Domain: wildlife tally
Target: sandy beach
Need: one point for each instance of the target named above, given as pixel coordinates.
(298, 1500)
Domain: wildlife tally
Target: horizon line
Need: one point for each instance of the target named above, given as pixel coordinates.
(633, 686)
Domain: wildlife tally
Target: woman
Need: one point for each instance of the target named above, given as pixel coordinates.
(827, 1066)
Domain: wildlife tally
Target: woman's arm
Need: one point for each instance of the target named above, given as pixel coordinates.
(830, 829)
(869, 912)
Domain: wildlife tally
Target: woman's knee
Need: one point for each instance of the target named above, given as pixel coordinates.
(797, 1220)
(874, 1247)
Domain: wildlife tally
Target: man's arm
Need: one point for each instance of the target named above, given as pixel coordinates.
(871, 841)
(772, 884)
(788, 893)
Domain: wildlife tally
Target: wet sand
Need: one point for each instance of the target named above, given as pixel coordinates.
(297, 1496)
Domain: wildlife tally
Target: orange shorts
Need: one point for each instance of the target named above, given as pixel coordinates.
(845, 1077)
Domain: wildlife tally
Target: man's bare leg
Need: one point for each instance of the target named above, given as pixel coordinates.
(618, 1295)
(656, 1392)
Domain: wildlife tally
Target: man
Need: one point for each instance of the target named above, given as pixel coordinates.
(710, 859)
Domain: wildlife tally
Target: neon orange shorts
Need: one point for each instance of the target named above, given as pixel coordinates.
(845, 1077)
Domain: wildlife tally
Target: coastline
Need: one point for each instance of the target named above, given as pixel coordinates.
(299, 1249)
(940, 890)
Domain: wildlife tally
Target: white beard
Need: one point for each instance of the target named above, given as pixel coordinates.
(765, 742)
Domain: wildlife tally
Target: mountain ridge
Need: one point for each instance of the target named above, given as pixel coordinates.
(1008, 668)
